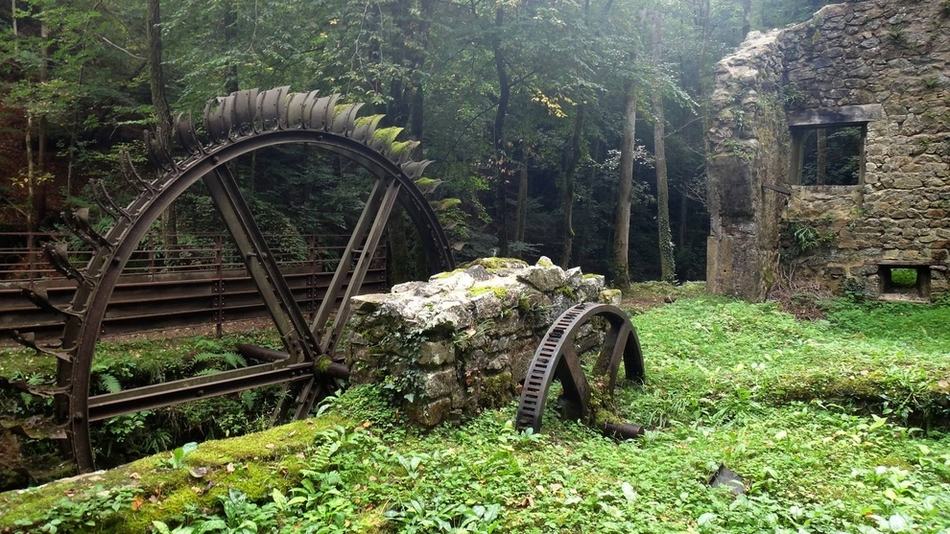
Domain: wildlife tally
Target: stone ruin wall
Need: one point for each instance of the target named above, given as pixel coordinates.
(463, 340)
(747, 145)
(885, 52)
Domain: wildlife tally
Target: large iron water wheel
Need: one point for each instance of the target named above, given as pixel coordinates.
(239, 124)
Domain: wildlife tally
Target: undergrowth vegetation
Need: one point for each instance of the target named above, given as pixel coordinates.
(122, 365)
(834, 425)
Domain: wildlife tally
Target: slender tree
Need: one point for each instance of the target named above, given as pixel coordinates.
(621, 242)
(665, 237)
(498, 132)
(163, 114)
(570, 157)
(522, 206)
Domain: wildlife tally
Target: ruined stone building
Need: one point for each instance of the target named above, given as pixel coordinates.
(828, 149)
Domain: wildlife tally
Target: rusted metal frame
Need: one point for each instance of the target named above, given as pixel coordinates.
(220, 298)
(362, 265)
(256, 352)
(541, 371)
(309, 393)
(346, 258)
(571, 376)
(106, 264)
(194, 388)
(615, 345)
(289, 320)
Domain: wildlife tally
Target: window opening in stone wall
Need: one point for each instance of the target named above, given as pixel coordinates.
(829, 155)
(905, 281)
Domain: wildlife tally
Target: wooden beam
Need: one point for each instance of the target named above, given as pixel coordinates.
(857, 114)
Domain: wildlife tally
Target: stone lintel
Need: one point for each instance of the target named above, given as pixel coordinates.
(908, 263)
(862, 113)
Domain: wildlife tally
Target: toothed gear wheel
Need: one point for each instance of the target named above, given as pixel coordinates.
(558, 358)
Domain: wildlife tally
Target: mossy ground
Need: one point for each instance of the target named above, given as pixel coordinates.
(817, 417)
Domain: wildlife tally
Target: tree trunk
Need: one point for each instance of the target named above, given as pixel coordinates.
(41, 128)
(568, 169)
(30, 174)
(665, 238)
(416, 115)
(746, 17)
(13, 22)
(153, 32)
(821, 155)
(229, 20)
(498, 135)
(621, 245)
(163, 114)
(684, 205)
(522, 212)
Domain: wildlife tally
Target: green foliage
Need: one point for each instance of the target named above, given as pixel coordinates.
(176, 459)
(817, 417)
(806, 238)
(93, 512)
(904, 277)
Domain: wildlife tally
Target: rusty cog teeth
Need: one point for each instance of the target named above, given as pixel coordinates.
(297, 107)
(557, 359)
(28, 340)
(414, 169)
(270, 107)
(106, 203)
(214, 121)
(186, 136)
(344, 117)
(58, 255)
(320, 113)
(40, 298)
(245, 104)
(365, 127)
(133, 177)
(78, 221)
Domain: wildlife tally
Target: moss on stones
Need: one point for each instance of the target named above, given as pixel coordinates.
(493, 263)
(496, 390)
(255, 464)
(478, 290)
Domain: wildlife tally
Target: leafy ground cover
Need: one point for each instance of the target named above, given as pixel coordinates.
(835, 425)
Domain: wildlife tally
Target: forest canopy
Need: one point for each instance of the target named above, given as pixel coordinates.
(572, 129)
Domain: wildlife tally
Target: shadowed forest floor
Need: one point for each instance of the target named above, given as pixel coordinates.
(835, 425)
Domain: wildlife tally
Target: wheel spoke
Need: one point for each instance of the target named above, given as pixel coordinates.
(381, 202)
(572, 378)
(618, 344)
(362, 265)
(279, 300)
(199, 387)
(346, 259)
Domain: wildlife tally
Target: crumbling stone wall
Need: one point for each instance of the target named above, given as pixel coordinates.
(747, 146)
(462, 341)
(890, 56)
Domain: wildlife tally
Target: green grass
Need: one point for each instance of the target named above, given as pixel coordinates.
(904, 277)
(146, 357)
(818, 418)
